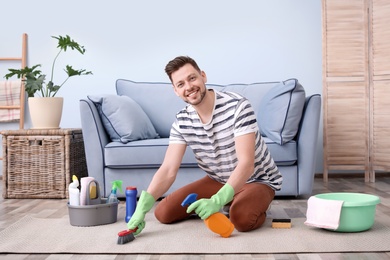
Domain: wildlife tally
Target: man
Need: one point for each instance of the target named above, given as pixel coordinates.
(222, 130)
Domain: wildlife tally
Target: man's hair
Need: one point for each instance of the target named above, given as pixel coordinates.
(177, 63)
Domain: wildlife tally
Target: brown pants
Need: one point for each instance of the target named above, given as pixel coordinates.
(247, 209)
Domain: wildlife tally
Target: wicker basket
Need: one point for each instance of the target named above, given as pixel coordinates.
(40, 163)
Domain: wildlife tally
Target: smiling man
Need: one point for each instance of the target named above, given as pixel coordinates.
(222, 131)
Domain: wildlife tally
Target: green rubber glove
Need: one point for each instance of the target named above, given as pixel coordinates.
(206, 207)
(145, 203)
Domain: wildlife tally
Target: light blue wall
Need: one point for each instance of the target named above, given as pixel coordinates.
(233, 41)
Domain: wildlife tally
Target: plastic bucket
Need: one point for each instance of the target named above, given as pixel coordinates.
(93, 215)
(357, 212)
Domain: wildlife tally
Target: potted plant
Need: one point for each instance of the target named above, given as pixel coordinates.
(41, 95)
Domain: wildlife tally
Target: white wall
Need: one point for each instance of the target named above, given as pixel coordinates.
(232, 41)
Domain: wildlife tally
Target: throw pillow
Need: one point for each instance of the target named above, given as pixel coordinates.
(123, 119)
(281, 110)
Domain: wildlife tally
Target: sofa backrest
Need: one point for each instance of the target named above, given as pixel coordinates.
(161, 104)
(253, 92)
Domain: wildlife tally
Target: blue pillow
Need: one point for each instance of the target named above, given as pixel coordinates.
(123, 119)
(281, 111)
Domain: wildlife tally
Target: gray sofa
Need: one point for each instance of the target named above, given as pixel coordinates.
(126, 135)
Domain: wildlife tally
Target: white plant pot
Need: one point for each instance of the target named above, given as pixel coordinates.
(45, 112)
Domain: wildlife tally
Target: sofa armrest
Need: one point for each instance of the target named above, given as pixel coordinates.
(307, 144)
(95, 139)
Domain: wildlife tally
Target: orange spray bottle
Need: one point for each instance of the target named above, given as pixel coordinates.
(217, 222)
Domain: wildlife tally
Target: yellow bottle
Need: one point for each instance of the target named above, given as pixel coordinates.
(220, 224)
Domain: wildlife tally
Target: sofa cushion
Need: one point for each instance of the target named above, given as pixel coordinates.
(282, 154)
(123, 119)
(150, 153)
(254, 92)
(281, 111)
(142, 154)
(152, 95)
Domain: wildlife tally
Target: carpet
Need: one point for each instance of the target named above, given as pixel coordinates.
(56, 235)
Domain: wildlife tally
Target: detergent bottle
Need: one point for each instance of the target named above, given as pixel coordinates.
(74, 193)
(113, 198)
(131, 201)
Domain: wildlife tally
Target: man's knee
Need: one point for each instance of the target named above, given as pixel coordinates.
(247, 221)
(162, 214)
(168, 212)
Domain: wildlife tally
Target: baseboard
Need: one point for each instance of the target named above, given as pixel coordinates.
(351, 175)
(331, 175)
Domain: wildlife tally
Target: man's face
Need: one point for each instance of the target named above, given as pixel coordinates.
(189, 84)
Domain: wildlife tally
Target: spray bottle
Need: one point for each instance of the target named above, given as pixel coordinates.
(217, 222)
(74, 193)
(113, 197)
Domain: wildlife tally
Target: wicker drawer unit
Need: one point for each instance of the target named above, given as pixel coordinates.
(40, 163)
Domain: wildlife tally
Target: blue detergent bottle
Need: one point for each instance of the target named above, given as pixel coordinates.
(131, 201)
(113, 198)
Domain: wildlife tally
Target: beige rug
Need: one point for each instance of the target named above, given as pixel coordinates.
(35, 235)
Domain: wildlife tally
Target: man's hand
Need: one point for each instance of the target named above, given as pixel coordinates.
(206, 207)
(145, 203)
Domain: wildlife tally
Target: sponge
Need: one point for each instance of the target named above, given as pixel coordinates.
(281, 223)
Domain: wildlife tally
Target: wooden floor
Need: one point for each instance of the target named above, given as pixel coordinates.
(13, 209)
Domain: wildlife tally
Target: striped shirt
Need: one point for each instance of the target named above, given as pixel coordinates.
(213, 143)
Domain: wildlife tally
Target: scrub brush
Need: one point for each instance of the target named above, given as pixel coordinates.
(126, 236)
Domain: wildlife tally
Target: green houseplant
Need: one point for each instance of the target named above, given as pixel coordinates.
(45, 108)
(34, 80)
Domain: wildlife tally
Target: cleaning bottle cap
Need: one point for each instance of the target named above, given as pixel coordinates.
(117, 184)
(131, 188)
(75, 182)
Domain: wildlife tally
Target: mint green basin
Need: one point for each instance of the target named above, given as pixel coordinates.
(357, 212)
